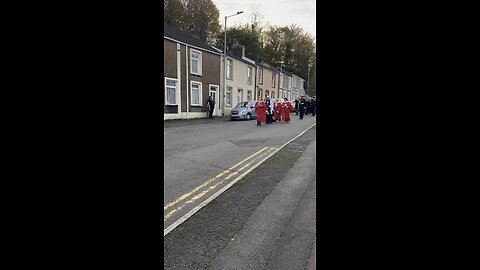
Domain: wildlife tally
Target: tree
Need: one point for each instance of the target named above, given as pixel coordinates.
(204, 16)
(198, 16)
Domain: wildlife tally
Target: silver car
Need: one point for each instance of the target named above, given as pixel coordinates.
(244, 110)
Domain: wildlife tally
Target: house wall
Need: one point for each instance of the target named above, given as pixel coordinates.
(175, 66)
(239, 81)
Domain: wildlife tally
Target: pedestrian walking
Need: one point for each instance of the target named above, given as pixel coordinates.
(301, 107)
(286, 109)
(296, 105)
(260, 111)
(277, 111)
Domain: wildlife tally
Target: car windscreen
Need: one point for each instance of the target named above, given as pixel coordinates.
(242, 105)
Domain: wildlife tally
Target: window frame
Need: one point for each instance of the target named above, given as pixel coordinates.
(260, 76)
(229, 69)
(249, 75)
(228, 103)
(199, 62)
(200, 89)
(166, 92)
(274, 77)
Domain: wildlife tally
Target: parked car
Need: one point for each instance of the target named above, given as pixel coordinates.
(244, 110)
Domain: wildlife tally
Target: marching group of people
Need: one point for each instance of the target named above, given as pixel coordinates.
(268, 111)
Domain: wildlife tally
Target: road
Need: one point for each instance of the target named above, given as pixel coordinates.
(202, 158)
(264, 221)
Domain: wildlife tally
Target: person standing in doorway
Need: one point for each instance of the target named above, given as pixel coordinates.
(210, 106)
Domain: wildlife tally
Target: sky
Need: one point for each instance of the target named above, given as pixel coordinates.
(274, 12)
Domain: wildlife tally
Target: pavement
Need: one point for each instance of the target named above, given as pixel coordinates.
(193, 121)
(264, 221)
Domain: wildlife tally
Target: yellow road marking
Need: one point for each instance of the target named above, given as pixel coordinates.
(186, 195)
(201, 194)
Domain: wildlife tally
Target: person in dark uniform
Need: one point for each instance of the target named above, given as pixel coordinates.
(301, 107)
(314, 106)
(269, 110)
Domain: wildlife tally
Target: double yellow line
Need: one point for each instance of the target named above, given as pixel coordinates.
(186, 195)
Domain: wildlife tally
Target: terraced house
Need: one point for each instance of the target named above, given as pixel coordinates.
(297, 87)
(192, 70)
(267, 81)
(240, 79)
(285, 86)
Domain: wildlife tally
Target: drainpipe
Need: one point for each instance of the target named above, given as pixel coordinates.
(186, 77)
(179, 79)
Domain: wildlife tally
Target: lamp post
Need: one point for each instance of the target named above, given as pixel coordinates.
(225, 62)
(280, 83)
(308, 79)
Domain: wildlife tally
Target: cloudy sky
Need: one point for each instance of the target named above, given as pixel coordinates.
(275, 12)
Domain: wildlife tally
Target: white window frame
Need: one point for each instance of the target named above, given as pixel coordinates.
(249, 75)
(274, 77)
(228, 103)
(192, 51)
(260, 76)
(281, 80)
(229, 69)
(176, 90)
(199, 95)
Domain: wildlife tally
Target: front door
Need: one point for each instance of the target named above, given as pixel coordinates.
(214, 93)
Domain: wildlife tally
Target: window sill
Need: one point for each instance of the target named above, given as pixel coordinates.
(196, 74)
(194, 105)
(171, 105)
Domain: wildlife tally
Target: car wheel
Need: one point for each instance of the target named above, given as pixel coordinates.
(249, 117)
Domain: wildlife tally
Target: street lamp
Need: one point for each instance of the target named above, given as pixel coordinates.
(308, 80)
(225, 62)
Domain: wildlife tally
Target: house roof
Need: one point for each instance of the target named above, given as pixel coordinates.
(265, 64)
(241, 59)
(172, 32)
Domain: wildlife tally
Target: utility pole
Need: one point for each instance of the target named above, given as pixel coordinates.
(225, 62)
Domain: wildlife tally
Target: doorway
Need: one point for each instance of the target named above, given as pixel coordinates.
(213, 91)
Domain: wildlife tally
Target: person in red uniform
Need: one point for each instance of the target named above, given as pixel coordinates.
(277, 111)
(286, 108)
(261, 112)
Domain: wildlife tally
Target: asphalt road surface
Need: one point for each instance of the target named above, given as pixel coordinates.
(201, 158)
(264, 221)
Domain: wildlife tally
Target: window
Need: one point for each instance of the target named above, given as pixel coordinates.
(273, 79)
(196, 93)
(280, 93)
(273, 95)
(249, 75)
(229, 69)
(289, 83)
(229, 96)
(195, 62)
(240, 95)
(170, 91)
(281, 80)
(260, 94)
(260, 76)
(266, 93)
(249, 95)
